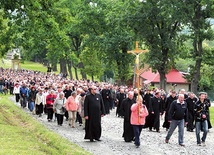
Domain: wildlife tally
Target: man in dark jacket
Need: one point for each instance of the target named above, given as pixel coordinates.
(1, 84)
(178, 115)
(23, 95)
(125, 110)
(191, 100)
(208, 118)
(168, 102)
(32, 98)
(67, 91)
(147, 98)
(201, 114)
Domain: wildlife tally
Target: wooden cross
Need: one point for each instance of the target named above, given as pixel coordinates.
(137, 53)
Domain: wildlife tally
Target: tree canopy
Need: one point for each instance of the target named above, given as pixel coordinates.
(94, 36)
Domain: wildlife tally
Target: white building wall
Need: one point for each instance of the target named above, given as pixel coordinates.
(176, 88)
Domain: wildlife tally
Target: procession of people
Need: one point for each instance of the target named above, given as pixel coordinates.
(86, 102)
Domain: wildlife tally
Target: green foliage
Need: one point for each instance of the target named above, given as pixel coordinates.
(183, 64)
(6, 36)
(207, 77)
(158, 24)
(93, 65)
(55, 30)
(198, 14)
(21, 134)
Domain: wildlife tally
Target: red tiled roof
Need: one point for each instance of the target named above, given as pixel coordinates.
(174, 76)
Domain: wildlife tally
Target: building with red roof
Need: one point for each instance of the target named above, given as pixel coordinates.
(174, 79)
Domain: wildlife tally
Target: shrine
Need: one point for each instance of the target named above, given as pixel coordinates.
(15, 58)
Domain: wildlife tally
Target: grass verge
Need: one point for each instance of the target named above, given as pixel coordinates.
(212, 116)
(21, 134)
(29, 65)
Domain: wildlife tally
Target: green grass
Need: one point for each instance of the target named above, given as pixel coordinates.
(34, 66)
(29, 65)
(21, 134)
(26, 65)
(212, 116)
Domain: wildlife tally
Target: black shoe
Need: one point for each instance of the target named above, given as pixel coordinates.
(182, 145)
(98, 140)
(91, 140)
(166, 140)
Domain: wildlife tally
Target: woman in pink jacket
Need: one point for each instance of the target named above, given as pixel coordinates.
(138, 116)
(72, 106)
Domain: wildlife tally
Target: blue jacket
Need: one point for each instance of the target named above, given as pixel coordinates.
(24, 90)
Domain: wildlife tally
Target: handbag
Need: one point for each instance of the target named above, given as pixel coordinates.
(63, 108)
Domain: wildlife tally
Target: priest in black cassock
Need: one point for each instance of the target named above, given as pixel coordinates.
(119, 99)
(128, 132)
(106, 96)
(93, 111)
(166, 107)
(155, 110)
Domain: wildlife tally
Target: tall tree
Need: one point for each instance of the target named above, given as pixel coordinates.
(157, 24)
(116, 39)
(90, 59)
(197, 16)
(6, 35)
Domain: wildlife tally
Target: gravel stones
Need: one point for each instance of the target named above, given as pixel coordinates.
(152, 143)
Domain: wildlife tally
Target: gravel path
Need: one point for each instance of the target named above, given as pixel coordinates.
(152, 143)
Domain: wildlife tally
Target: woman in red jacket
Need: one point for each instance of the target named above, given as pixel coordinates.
(138, 116)
(49, 104)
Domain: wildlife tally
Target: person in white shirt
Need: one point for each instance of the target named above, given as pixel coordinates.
(16, 92)
(39, 102)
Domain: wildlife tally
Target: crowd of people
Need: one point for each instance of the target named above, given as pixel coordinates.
(85, 102)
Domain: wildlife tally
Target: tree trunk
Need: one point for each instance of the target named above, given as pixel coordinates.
(162, 79)
(63, 68)
(69, 63)
(162, 69)
(54, 67)
(198, 48)
(122, 67)
(81, 66)
(76, 73)
(196, 73)
(120, 75)
(45, 63)
(92, 78)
